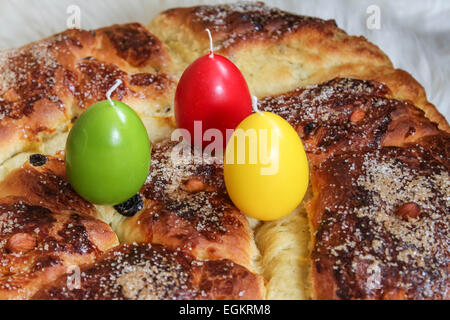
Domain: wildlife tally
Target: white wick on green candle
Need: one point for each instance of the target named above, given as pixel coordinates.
(211, 52)
(111, 90)
(255, 104)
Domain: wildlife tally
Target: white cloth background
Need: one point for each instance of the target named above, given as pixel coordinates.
(415, 34)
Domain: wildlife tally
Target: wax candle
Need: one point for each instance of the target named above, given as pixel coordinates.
(213, 94)
(265, 166)
(108, 152)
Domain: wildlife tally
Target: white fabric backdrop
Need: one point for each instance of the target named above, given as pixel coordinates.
(415, 34)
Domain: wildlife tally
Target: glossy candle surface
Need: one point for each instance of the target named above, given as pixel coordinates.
(212, 90)
(108, 153)
(275, 184)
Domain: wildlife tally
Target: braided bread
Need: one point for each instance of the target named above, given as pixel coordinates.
(373, 225)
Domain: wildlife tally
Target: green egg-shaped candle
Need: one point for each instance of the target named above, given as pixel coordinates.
(108, 153)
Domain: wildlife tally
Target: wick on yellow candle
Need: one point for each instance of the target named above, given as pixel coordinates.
(255, 104)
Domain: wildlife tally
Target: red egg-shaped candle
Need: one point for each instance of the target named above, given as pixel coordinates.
(212, 93)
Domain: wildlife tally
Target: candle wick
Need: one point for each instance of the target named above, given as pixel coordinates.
(255, 104)
(111, 90)
(211, 48)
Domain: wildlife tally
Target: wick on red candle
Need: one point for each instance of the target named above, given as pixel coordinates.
(211, 49)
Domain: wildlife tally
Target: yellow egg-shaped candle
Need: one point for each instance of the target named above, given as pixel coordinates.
(265, 167)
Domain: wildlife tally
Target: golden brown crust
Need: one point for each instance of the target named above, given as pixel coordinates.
(45, 184)
(382, 220)
(401, 84)
(145, 271)
(438, 146)
(301, 50)
(55, 227)
(46, 84)
(46, 228)
(37, 245)
(138, 47)
(380, 180)
(347, 114)
(352, 130)
(235, 26)
(186, 206)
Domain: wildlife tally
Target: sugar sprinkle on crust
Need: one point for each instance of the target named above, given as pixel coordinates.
(152, 272)
(380, 175)
(384, 225)
(380, 170)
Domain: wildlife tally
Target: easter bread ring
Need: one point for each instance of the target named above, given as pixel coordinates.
(375, 221)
